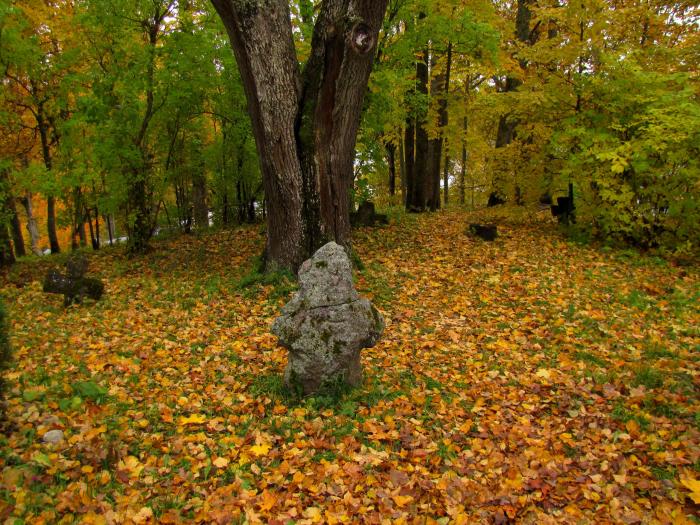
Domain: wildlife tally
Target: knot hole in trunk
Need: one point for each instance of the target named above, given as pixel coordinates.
(361, 39)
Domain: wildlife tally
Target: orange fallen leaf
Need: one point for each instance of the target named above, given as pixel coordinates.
(402, 500)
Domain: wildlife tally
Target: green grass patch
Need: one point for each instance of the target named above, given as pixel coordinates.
(659, 352)
(282, 283)
(623, 414)
(664, 473)
(90, 390)
(648, 377)
(588, 357)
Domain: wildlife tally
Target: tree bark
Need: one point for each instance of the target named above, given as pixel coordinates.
(199, 199)
(51, 224)
(16, 228)
(42, 124)
(11, 211)
(463, 172)
(506, 124)
(140, 206)
(444, 121)
(410, 161)
(305, 123)
(422, 183)
(402, 168)
(7, 255)
(391, 160)
(109, 222)
(32, 227)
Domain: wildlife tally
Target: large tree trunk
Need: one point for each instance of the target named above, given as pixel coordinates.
(305, 123)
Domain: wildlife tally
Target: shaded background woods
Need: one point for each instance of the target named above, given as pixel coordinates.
(121, 119)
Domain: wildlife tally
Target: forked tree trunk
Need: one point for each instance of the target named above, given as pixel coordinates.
(305, 122)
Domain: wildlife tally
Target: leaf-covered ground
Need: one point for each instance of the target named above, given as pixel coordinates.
(529, 380)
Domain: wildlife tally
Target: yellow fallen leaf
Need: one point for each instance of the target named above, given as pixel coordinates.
(313, 513)
(221, 462)
(131, 464)
(260, 450)
(620, 479)
(194, 419)
(466, 426)
(544, 373)
(143, 515)
(693, 485)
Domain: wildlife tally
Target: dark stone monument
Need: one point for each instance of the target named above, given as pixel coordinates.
(564, 209)
(487, 232)
(73, 285)
(367, 216)
(495, 199)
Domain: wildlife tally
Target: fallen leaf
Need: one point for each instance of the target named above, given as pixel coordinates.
(194, 419)
(220, 462)
(260, 450)
(693, 485)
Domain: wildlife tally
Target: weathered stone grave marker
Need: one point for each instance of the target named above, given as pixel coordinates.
(326, 324)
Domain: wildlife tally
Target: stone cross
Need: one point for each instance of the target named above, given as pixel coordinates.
(326, 323)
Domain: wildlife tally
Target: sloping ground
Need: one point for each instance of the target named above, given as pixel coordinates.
(529, 380)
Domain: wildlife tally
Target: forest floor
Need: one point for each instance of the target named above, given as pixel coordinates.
(527, 380)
